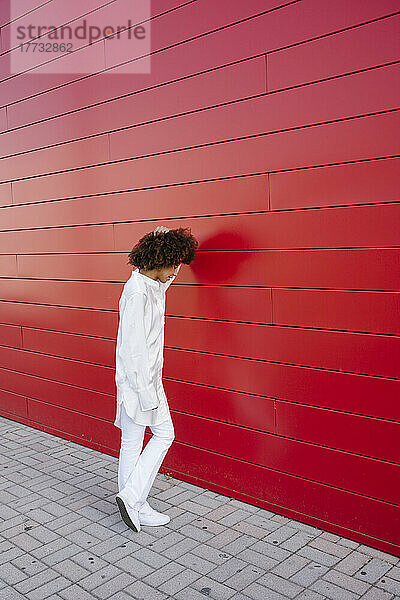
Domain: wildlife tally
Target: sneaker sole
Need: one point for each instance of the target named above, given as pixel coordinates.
(153, 524)
(124, 514)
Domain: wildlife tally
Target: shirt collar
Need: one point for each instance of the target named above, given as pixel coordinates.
(148, 280)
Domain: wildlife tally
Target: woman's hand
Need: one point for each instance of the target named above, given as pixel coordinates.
(160, 229)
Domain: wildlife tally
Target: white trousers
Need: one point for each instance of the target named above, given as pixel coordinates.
(137, 469)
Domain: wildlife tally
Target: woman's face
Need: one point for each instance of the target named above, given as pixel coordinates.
(166, 273)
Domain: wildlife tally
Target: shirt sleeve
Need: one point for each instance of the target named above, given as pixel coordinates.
(134, 351)
(168, 283)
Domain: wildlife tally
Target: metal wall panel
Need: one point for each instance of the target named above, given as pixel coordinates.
(182, 36)
(377, 227)
(226, 84)
(372, 181)
(361, 93)
(329, 56)
(282, 337)
(361, 138)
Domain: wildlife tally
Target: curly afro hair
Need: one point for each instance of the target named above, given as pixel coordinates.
(164, 249)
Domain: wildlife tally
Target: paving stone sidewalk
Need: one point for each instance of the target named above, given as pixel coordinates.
(61, 536)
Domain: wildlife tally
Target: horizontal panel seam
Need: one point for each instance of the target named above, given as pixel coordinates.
(112, 397)
(241, 427)
(210, 180)
(185, 113)
(151, 53)
(296, 128)
(288, 210)
(203, 352)
(264, 324)
(357, 25)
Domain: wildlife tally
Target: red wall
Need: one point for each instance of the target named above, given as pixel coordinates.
(271, 129)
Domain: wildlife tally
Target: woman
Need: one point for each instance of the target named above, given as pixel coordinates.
(141, 399)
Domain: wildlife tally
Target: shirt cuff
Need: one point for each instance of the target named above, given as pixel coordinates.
(148, 398)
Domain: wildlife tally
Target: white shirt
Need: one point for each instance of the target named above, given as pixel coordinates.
(139, 351)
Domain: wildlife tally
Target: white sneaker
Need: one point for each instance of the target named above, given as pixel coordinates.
(129, 515)
(149, 516)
